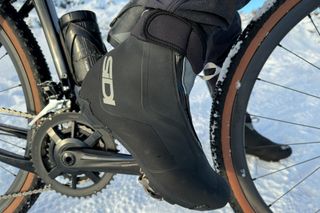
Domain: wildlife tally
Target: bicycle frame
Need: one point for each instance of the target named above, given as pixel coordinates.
(113, 162)
(50, 23)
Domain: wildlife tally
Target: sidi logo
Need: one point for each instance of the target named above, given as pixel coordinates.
(107, 82)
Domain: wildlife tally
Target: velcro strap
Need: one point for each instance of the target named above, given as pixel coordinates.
(168, 30)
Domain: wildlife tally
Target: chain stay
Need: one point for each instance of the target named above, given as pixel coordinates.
(26, 115)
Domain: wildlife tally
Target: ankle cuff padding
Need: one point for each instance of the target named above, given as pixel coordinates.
(168, 30)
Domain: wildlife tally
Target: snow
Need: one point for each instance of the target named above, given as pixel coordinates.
(228, 61)
(266, 6)
(126, 195)
(238, 85)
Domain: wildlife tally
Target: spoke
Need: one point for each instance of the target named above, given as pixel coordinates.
(93, 176)
(93, 139)
(55, 172)
(12, 144)
(288, 167)
(74, 181)
(298, 56)
(287, 122)
(53, 135)
(8, 171)
(295, 186)
(289, 144)
(10, 88)
(303, 143)
(288, 88)
(315, 26)
(3, 55)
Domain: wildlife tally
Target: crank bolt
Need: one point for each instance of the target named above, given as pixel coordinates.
(68, 159)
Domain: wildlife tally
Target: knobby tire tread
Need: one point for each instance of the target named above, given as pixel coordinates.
(221, 90)
(40, 74)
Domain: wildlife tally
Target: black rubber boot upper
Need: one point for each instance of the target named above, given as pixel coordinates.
(262, 147)
(136, 92)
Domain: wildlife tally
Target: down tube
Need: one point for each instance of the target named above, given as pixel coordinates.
(50, 23)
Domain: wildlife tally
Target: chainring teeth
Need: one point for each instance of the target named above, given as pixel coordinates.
(72, 185)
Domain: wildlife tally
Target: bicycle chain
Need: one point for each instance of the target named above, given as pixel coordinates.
(13, 112)
(27, 193)
(26, 115)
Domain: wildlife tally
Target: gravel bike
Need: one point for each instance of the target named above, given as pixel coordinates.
(29, 77)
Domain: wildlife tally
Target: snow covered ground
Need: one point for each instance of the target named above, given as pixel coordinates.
(125, 195)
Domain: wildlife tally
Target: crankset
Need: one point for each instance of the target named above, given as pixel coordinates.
(74, 158)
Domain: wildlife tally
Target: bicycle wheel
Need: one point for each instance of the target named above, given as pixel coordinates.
(23, 68)
(270, 77)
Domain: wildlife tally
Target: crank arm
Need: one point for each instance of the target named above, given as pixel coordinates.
(100, 161)
(15, 160)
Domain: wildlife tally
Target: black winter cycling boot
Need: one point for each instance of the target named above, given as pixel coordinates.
(256, 144)
(262, 147)
(136, 92)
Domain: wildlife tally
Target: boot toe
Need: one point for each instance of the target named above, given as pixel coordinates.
(263, 148)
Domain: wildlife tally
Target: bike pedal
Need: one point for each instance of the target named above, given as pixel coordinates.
(144, 181)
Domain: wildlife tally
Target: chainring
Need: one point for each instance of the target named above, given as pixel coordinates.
(70, 126)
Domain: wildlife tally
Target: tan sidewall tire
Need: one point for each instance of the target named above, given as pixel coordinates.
(30, 178)
(230, 98)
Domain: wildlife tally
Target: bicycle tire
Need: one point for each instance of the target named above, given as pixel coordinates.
(32, 70)
(228, 110)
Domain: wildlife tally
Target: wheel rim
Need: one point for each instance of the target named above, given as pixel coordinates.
(16, 88)
(241, 179)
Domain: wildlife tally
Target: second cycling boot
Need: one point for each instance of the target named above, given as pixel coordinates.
(137, 92)
(256, 144)
(262, 147)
